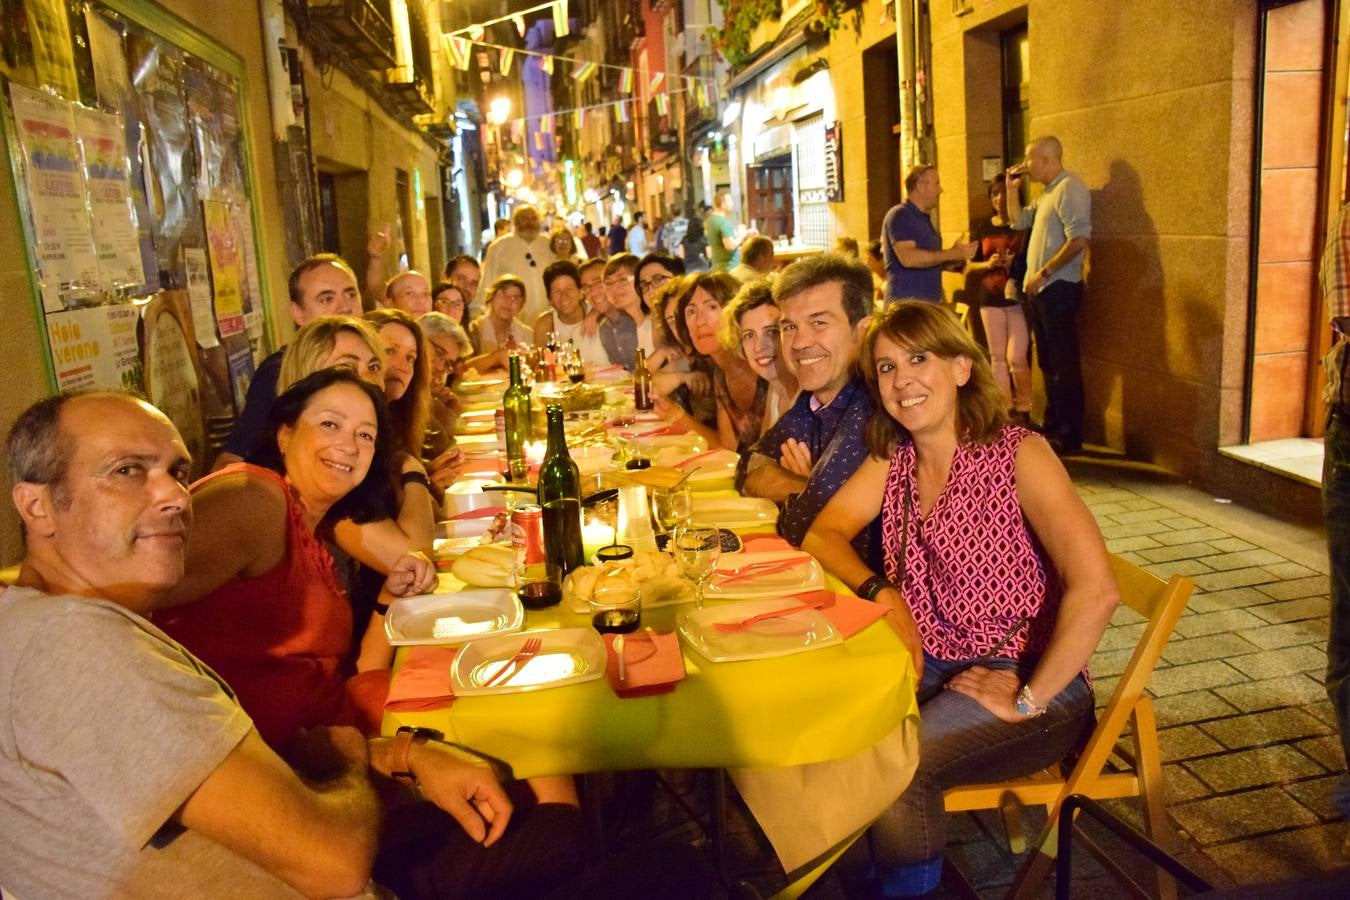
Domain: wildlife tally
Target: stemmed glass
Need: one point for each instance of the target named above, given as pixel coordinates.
(696, 550)
(671, 508)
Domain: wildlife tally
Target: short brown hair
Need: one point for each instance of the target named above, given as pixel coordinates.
(916, 325)
(854, 278)
(309, 265)
(625, 261)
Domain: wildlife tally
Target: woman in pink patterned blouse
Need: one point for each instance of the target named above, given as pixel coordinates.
(996, 576)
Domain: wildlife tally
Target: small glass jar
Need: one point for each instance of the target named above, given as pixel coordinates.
(613, 553)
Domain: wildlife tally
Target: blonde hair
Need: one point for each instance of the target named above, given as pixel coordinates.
(752, 295)
(311, 346)
(916, 325)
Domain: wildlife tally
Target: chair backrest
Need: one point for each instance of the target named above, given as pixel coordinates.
(1162, 603)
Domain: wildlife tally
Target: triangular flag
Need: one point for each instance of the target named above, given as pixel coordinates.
(506, 54)
(476, 32)
(547, 65)
(621, 111)
(662, 106)
(463, 53)
(579, 116)
(520, 24)
(583, 70)
(561, 28)
(656, 82)
(626, 81)
(546, 123)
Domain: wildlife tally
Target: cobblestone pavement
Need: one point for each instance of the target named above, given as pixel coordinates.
(1247, 734)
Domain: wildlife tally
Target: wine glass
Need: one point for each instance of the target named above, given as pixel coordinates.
(671, 508)
(696, 551)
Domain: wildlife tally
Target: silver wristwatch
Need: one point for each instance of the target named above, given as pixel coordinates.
(1026, 704)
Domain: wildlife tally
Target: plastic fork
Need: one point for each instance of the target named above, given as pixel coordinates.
(765, 568)
(741, 625)
(761, 564)
(527, 651)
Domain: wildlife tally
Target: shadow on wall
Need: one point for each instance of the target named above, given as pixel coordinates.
(1130, 322)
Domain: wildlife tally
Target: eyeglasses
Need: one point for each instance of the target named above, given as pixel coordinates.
(652, 283)
(529, 258)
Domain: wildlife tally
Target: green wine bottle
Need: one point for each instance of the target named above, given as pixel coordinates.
(560, 496)
(516, 410)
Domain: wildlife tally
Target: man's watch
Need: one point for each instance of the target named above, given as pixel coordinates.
(1026, 704)
(407, 735)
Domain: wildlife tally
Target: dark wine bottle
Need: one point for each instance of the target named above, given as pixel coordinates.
(642, 382)
(516, 412)
(560, 495)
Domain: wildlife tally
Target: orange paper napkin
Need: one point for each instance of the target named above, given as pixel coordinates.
(764, 543)
(846, 612)
(423, 683)
(653, 663)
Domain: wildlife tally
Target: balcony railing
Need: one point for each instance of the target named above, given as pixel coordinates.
(360, 27)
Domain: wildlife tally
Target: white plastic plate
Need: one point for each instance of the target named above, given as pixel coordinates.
(780, 636)
(568, 656)
(808, 576)
(734, 512)
(452, 618)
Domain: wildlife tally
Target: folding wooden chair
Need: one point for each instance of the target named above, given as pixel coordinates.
(1161, 603)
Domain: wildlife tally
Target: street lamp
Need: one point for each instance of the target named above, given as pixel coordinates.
(499, 110)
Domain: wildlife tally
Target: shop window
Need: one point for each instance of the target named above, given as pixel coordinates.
(813, 211)
(768, 199)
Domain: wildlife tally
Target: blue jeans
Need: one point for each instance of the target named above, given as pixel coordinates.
(1336, 513)
(964, 743)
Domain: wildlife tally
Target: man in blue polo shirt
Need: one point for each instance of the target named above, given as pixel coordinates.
(911, 246)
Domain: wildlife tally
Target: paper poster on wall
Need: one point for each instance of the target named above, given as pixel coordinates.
(241, 374)
(96, 348)
(171, 374)
(103, 149)
(49, 34)
(107, 53)
(226, 267)
(199, 296)
(67, 263)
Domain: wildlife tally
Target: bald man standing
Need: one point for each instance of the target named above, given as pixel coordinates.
(1060, 220)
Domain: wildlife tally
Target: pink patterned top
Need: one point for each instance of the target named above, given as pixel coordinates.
(972, 565)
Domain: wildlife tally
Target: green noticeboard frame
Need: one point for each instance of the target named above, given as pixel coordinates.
(165, 24)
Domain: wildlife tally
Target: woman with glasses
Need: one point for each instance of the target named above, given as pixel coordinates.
(627, 326)
(447, 298)
(497, 331)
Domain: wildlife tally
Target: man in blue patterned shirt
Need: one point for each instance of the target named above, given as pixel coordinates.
(803, 459)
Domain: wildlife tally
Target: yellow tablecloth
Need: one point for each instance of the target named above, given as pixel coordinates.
(825, 704)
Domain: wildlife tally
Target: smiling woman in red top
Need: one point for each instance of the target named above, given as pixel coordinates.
(270, 615)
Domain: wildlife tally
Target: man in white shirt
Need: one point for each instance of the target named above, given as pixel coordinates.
(524, 253)
(637, 235)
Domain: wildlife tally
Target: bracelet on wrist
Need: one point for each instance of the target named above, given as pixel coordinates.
(1026, 704)
(415, 477)
(874, 585)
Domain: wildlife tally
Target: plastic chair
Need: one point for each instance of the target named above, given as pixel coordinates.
(1161, 603)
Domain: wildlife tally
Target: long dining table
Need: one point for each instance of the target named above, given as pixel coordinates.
(815, 712)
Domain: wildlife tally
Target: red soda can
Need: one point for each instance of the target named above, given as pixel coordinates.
(527, 534)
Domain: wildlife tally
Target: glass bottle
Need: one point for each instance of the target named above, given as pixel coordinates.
(560, 496)
(516, 413)
(642, 382)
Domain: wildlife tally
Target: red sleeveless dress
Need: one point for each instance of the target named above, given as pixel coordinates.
(282, 639)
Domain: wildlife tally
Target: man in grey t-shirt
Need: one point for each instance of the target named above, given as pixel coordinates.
(126, 769)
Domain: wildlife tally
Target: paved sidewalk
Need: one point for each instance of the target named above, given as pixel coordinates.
(1247, 733)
